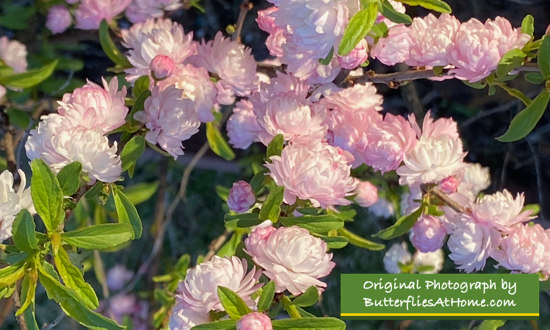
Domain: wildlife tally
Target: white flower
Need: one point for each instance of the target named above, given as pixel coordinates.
(12, 202)
(185, 317)
(475, 178)
(382, 208)
(501, 209)
(13, 54)
(397, 254)
(434, 259)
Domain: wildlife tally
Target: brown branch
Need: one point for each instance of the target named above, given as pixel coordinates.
(216, 245)
(245, 7)
(447, 200)
(17, 300)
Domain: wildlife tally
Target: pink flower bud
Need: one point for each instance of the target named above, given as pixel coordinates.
(367, 194)
(428, 234)
(59, 19)
(241, 197)
(254, 321)
(449, 184)
(161, 67)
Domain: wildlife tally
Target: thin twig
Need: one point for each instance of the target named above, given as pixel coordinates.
(447, 200)
(17, 300)
(55, 322)
(245, 7)
(539, 174)
(216, 245)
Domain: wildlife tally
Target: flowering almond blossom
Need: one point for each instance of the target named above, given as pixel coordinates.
(59, 19)
(93, 107)
(13, 54)
(185, 316)
(501, 210)
(12, 202)
(89, 13)
(318, 172)
(290, 256)
(242, 126)
(276, 38)
(474, 178)
(254, 321)
(396, 254)
(356, 57)
(395, 48)
(434, 259)
(241, 197)
(140, 10)
(170, 119)
(367, 194)
(199, 289)
(155, 37)
(428, 234)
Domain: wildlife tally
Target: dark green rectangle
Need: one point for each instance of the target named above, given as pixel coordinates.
(439, 296)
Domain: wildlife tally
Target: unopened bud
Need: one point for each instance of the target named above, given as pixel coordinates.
(254, 321)
(241, 197)
(161, 67)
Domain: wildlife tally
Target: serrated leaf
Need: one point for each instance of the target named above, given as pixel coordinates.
(360, 241)
(127, 213)
(28, 78)
(23, 232)
(101, 236)
(310, 323)
(524, 122)
(543, 57)
(72, 305)
(436, 5)
(320, 224)
(400, 227)
(308, 298)
(387, 10)
(266, 298)
(69, 178)
(217, 142)
(271, 207)
(131, 153)
(232, 303)
(109, 47)
(511, 60)
(528, 25)
(74, 280)
(358, 28)
(275, 147)
(218, 325)
(46, 195)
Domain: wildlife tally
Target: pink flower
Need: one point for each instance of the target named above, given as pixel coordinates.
(471, 243)
(478, 48)
(242, 127)
(118, 276)
(90, 12)
(449, 185)
(389, 140)
(12, 201)
(434, 259)
(14, 54)
(428, 234)
(367, 194)
(59, 19)
(241, 197)
(356, 57)
(254, 321)
(161, 67)
(231, 61)
(474, 179)
(140, 10)
(432, 37)
(396, 254)
(195, 85)
(170, 119)
(395, 48)
(93, 107)
(155, 37)
(319, 172)
(276, 38)
(199, 289)
(501, 210)
(526, 249)
(291, 257)
(437, 128)
(359, 97)
(185, 316)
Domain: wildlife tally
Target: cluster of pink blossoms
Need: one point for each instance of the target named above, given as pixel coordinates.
(78, 132)
(290, 256)
(14, 55)
(472, 49)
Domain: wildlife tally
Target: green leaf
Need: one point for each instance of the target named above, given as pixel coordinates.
(534, 208)
(46, 195)
(11, 274)
(18, 118)
(243, 220)
(275, 147)
(141, 85)
(511, 60)
(271, 207)
(528, 25)
(534, 78)
(436, 5)
(141, 192)
(69, 178)
(360, 241)
(222, 192)
(379, 30)
(517, 94)
(308, 298)
(524, 122)
(28, 290)
(16, 17)
(400, 227)
(543, 57)
(30, 319)
(334, 242)
(266, 298)
(110, 48)
(217, 143)
(328, 58)
(310, 323)
(23, 231)
(232, 303)
(290, 308)
(72, 305)
(73, 279)
(490, 325)
(320, 224)
(359, 26)
(218, 325)
(229, 248)
(387, 10)
(29, 78)
(131, 153)
(127, 213)
(102, 236)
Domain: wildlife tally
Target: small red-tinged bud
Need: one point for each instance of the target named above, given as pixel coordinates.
(161, 67)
